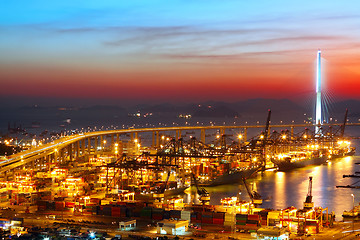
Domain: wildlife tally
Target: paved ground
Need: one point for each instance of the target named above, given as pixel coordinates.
(341, 230)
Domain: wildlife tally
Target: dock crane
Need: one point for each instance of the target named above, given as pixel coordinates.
(203, 193)
(308, 204)
(161, 192)
(254, 196)
(267, 127)
(344, 124)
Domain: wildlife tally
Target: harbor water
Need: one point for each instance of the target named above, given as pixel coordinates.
(284, 189)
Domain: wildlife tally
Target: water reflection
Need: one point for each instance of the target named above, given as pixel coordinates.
(284, 189)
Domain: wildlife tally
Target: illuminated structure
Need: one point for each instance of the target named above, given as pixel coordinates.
(318, 92)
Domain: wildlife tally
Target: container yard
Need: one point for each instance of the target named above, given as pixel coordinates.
(124, 185)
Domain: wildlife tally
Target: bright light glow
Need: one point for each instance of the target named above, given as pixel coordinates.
(240, 136)
(318, 91)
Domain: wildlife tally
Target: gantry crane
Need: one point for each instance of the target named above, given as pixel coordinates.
(204, 195)
(254, 196)
(308, 204)
(161, 191)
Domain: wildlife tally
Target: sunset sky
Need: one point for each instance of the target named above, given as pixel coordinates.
(178, 51)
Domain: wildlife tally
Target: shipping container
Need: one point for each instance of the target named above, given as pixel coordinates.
(59, 206)
(218, 221)
(219, 215)
(146, 212)
(167, 215)
(175, 214)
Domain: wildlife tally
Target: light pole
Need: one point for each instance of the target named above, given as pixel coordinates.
(240, 139)
(353, 211)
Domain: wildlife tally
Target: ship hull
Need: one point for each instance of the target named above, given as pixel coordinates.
(286, 165)
(343, 154)
(167, 193)
(231, 178)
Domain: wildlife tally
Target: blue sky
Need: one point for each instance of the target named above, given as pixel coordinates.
(249, 43)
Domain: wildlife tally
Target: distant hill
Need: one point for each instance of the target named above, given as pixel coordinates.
(352, 105)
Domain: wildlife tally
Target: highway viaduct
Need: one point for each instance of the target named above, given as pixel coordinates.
(77, 145)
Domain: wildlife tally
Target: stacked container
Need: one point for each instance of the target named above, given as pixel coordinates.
(41, 205)
(157, 214)
(253, 221)
(193, 216)
(175, 214)
(107, 210)
(219, 218)
(207, 217)
(115, 211)
(166, 214)
(123, 210)
(263, 217)
(186, 215)
(273, 218)
(4, 196)
(59, 206)
(146, 213)
(241, 219)
(87, 210)
(229, 219)
(50, 205)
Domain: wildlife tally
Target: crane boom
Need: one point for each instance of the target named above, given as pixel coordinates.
(267, 126)
(344, 124)
(204, 195)
(308, 204)
(254, 196)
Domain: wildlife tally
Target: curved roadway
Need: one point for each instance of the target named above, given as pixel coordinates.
(27, 156)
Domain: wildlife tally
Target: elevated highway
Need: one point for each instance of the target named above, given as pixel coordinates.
(76, 145)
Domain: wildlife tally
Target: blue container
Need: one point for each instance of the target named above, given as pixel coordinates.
(166, 214)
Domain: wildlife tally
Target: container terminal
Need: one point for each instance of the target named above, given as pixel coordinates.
(129, 188)
(112, 185)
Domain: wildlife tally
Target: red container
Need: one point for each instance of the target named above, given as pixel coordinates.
(207, 220)
(219, 215)
(69, 204)
(41, 208)
(59, 206)
(218, 221)
(115, 214)
(115, 211)
(251, 225)
(253, 217)
(157, 216)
